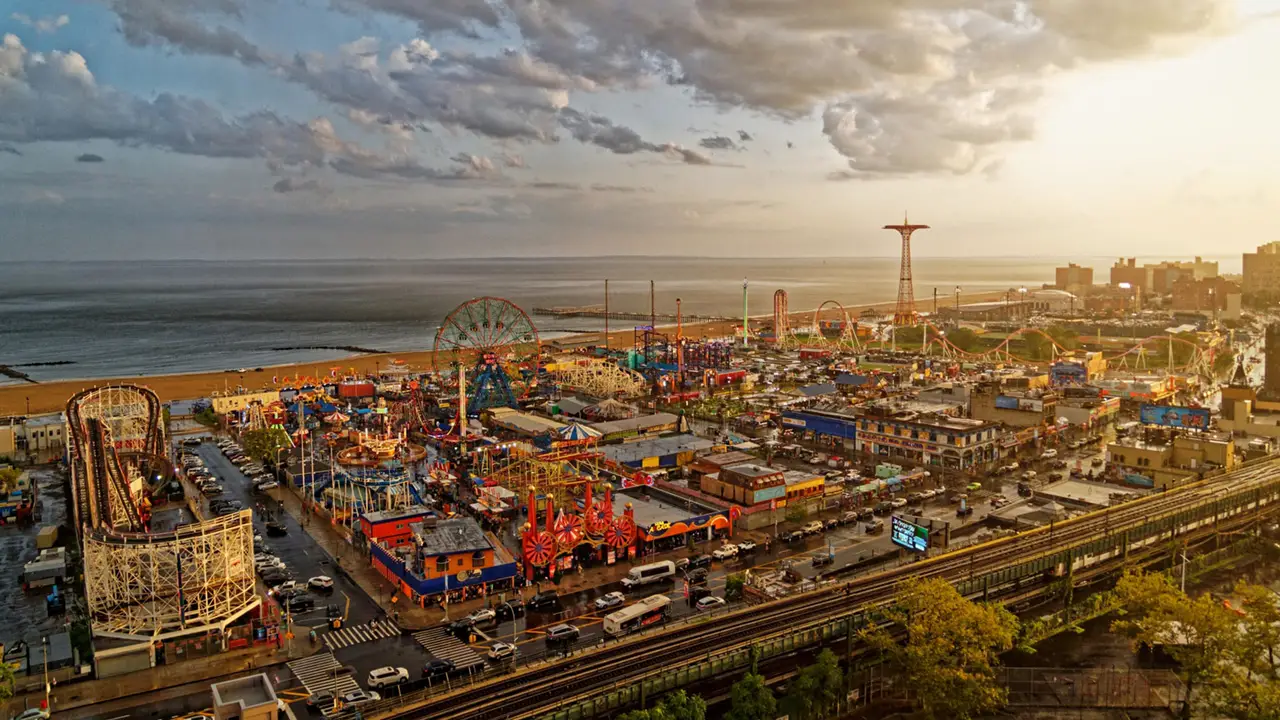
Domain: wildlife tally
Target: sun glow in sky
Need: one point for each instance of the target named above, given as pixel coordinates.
(228, 128)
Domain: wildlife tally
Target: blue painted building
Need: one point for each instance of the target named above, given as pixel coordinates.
(821, 422)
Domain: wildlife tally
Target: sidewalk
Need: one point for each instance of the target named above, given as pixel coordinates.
(96, 697)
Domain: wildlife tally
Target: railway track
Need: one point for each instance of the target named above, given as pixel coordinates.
(530, 692)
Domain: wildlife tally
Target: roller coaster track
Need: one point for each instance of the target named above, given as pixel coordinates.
(537, 690)
(100, 480)
(1137, 353)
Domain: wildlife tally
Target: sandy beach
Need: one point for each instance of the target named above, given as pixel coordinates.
(35, 399)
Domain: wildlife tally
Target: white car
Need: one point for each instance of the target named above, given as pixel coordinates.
(285, 586)
(710, 602)
(387, 676)
(359, 697)
(746, 546)
(613, 599)
(321, 582)
(483, 615)
(267, 485)
(1049, 454)
(725, 552)
(898, 503)
(501, 651)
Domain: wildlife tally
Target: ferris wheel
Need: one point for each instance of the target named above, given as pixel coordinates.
(498, 344)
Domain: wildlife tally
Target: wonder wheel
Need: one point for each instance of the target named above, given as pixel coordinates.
(496, 344)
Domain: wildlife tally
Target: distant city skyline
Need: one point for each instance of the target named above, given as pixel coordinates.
(460, 128)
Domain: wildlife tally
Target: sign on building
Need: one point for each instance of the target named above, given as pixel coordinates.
(1174, 416)
(908, 535)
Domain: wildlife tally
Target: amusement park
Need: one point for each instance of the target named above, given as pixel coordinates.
(514, 460)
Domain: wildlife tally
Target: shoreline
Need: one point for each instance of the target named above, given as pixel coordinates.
(52, 396)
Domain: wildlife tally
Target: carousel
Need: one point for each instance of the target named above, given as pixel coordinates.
(374, 473)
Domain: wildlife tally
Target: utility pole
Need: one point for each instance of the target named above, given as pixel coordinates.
(744, 312)
(606, 314)
(935, 302)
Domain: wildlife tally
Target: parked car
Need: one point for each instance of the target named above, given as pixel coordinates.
(866, 513)
(359, 697)
(510, 610)
(613, 599)
(562, 634)
(300, 603)
(501, 651)
(832, 523)
(267, 485)
(812, 528)
(387, 676)
(875, 526)
(883, 507)
(320, 700)
(789, 536)
(702, 561)
(823, 560)
(320, 582)
(438, 669)
(1049, 454)
(696, 576)
(964, 511)
(277, 529)
(898, 503)
(975, 486)
(709, 602)
(483, 615)
(726, 551)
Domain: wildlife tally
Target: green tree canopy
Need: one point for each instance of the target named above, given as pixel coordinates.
(963, 338)
(7, 682)
(733, 585)
(1230, 658)
(751, 699)
(951, 648)
(263, 444)
(9, 478)
(796, 513)
(679, 705)
(815, 692)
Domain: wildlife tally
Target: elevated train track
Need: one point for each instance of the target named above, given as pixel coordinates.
(570, 688)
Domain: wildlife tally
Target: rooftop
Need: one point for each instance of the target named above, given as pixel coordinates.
(655, 506)
(246, 692)
(378, 516)
(636, 423)
(525, 422)
(752, 470)
(454, 536)
(657, 447)
(794, 477)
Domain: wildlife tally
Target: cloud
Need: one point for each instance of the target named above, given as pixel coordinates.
(42, 25)
(177, 24)
(719, 142)
(89, 158)
(36, 89)
(43, 197)
(511, 160)
(744, 136)
(297, 184)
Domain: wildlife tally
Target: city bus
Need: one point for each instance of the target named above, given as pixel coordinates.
(649, 611)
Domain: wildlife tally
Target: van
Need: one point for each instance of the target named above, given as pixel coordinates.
(562, 634)
(651, 573)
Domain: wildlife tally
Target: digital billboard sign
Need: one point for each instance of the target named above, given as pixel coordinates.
(909, 535)
(1174, 416)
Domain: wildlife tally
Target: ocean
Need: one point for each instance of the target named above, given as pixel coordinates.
(140, 318)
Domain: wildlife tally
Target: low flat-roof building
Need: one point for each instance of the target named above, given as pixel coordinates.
(246, 698)
(655, 424)
(747, 484)
(1164, 464)
(665, 520)
(663, 452)
(929, 439)
(455, 556)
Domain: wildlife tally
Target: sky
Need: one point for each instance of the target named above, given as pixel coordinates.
(135, 129)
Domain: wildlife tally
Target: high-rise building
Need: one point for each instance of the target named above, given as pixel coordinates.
(1128, 271)
(1262, 269)
(1073, 278)
(1271, 360)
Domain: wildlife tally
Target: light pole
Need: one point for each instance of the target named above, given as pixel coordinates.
(44, 646)
(1127, 309)
(1022, 299)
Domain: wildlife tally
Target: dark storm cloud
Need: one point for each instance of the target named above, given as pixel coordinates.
(89, 158)
(179, 25)
(294, 184)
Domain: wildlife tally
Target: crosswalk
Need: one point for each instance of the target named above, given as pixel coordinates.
(316, 674)
(444, 646)
(356, 634)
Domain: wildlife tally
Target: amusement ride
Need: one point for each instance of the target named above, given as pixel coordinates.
(497, 344)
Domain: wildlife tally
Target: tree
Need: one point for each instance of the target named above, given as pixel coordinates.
(815, 692)
(963, 338)
(951, 648)
(1064, 336)
(796, 513)
(1198, 633)
(751, 699)
(679, 705)
(9, 478)
(263, 444)
(733, 585)
(7, 682)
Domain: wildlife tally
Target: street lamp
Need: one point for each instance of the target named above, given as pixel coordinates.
(957, 305)
(1022, 300)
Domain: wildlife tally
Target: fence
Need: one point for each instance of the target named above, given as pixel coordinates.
(1113, 688)
(1100, 688)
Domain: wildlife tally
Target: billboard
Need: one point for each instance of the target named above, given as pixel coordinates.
(908, 535)
(1004, 402)
(1009, 402)
(1174, 416)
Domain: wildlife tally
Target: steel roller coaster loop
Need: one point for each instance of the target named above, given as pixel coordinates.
(496, 342)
